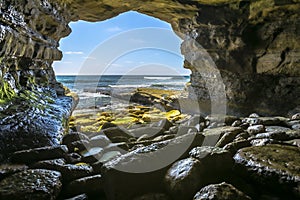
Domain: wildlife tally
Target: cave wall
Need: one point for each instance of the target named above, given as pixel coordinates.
(254, 45)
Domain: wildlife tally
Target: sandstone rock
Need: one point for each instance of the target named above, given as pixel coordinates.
(31, 184)
(43, 153)
(88, 185)
(183, 179)
(272, 167)
(255, 129)
(222, 191)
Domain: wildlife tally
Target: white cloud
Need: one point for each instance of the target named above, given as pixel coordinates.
(90, 58)
(67, 62)
(128, 62)
(74, 52)
(114, 29)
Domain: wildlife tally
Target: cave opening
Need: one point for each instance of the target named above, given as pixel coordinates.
(105, 61)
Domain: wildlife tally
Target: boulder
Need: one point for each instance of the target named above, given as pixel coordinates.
(222, 191)
(183, 179)
(256, 129)
(145, 167)
(31, 184)
(217, 162)
(89, 185)
(8, 169)
(37, 154)
(72, 137)
(273, 168)
(69, 172)
(212, 136)
(117, 134)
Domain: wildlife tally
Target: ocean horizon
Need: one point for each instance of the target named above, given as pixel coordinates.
(95, 91)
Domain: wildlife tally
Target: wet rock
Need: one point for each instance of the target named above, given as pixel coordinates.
(292, 123)
(217, 161)
(269, 121)
(277, 135)
(8, 169)
(276, 128)
(237, 123)
(73, 158)
(72, 137)
(163, 124)
(263, 142)
(222, 191)
(296, 116)
(43, 153)
(274, 168)
(79, 145)
(31, 184)
(183, 130)
(92, 155)
(79, 197)
(255, 129)
(108, 125)
(99, 141)
(88, 185)
(183, 179)
(145, 167)
(227, 119)
(251, 121)
(234, 146)
(295, 142)
(105, 158)
(117, 134)
(153, 196)
(147, 132)
(69, 172)
(253, 115)
(227, 138)
(212, 136)
(296, 127)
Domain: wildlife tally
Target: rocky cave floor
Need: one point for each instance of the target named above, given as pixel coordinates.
(223, 157)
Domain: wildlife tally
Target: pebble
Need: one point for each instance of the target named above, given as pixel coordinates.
(256, 129)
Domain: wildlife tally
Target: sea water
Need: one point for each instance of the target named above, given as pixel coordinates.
(96, 91)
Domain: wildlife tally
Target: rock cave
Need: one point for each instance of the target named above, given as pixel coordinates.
(256, 50)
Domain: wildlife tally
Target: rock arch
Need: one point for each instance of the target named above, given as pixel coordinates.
(255, 45)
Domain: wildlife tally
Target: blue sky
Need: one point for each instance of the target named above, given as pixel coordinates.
(131, 43)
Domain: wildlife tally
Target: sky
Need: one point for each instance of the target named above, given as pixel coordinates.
(129, 44)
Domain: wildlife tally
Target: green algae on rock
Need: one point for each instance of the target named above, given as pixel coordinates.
(275, 167)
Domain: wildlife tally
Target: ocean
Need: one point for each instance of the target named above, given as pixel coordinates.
(96, 91)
